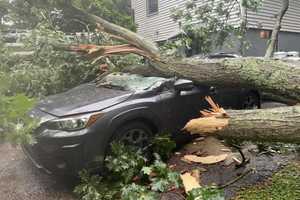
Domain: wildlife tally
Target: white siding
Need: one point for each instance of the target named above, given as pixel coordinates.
(266, 16)
(156, 27)
(161, 27)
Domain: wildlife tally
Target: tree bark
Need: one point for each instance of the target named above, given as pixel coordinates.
(273, 125)
(277, 27)
(268, 76)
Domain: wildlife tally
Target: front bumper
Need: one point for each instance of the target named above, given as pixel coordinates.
(56, 157)
(28, 154)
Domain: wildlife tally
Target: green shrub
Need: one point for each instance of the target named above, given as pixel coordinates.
(130, 177)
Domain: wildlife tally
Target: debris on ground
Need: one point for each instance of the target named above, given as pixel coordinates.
(225, 173)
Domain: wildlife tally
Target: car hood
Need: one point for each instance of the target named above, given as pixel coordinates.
(82, 99)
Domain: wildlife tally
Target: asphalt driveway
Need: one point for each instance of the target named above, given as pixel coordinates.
(20, 180)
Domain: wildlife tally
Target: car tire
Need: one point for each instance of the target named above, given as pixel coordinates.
(251, 101)
(135, 134)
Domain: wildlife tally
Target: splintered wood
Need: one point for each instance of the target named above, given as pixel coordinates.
(212, 120)
(94, 51)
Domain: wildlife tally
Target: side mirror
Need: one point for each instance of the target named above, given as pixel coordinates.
(183, 85)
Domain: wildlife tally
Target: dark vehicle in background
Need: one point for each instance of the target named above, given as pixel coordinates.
(80, 124)
(219, 55)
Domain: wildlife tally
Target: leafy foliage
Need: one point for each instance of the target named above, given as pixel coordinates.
(39, 68)
(135, 191)
(161, 176)
(95, 188)
(15, 125)
(116, 11)
(146, 183)
(49, 70)
(125, 162)
(26, 13)
(130, 177)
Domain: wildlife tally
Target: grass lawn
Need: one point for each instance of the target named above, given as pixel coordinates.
(284, 185)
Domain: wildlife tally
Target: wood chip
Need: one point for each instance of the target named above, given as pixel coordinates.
(205, 160)
(189, 182)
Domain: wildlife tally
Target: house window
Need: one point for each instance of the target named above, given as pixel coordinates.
(152, 7)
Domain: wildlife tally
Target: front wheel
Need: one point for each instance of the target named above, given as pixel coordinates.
(135, 134)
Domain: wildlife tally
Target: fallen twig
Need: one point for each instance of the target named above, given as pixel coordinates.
(236, 179)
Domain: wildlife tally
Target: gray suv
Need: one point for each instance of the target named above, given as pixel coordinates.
(78, 126)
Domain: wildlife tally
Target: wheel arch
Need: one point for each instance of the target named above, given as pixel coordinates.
(143, 115)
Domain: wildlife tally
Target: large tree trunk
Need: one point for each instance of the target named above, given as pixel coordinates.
(277, 27)
(273, 125)
(277, 124)
(269, 76)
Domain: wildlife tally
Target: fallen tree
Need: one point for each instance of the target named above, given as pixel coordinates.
(266, 75)
(269, 76)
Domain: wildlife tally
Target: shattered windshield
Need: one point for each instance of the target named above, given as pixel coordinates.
(132, 82)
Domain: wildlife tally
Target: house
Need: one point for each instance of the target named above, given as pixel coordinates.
(154, 23)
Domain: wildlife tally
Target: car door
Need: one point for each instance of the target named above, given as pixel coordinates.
(180, 107)
(228, 98)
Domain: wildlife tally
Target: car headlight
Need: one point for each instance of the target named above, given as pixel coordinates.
(74, 123)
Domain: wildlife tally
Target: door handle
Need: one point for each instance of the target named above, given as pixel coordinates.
(213, 90)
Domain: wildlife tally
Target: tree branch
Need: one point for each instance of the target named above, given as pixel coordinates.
(115, 30)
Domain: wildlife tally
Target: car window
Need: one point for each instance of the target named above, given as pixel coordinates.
(132, 82)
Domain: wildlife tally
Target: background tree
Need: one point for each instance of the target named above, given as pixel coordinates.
(274, 37)
(26, 13)
(206, 26)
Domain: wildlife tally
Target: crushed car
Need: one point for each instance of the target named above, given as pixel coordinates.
(79, 125)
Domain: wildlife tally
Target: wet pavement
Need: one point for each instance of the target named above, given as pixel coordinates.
(20, 180)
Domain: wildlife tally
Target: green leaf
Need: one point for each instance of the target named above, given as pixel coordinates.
(147, 170)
